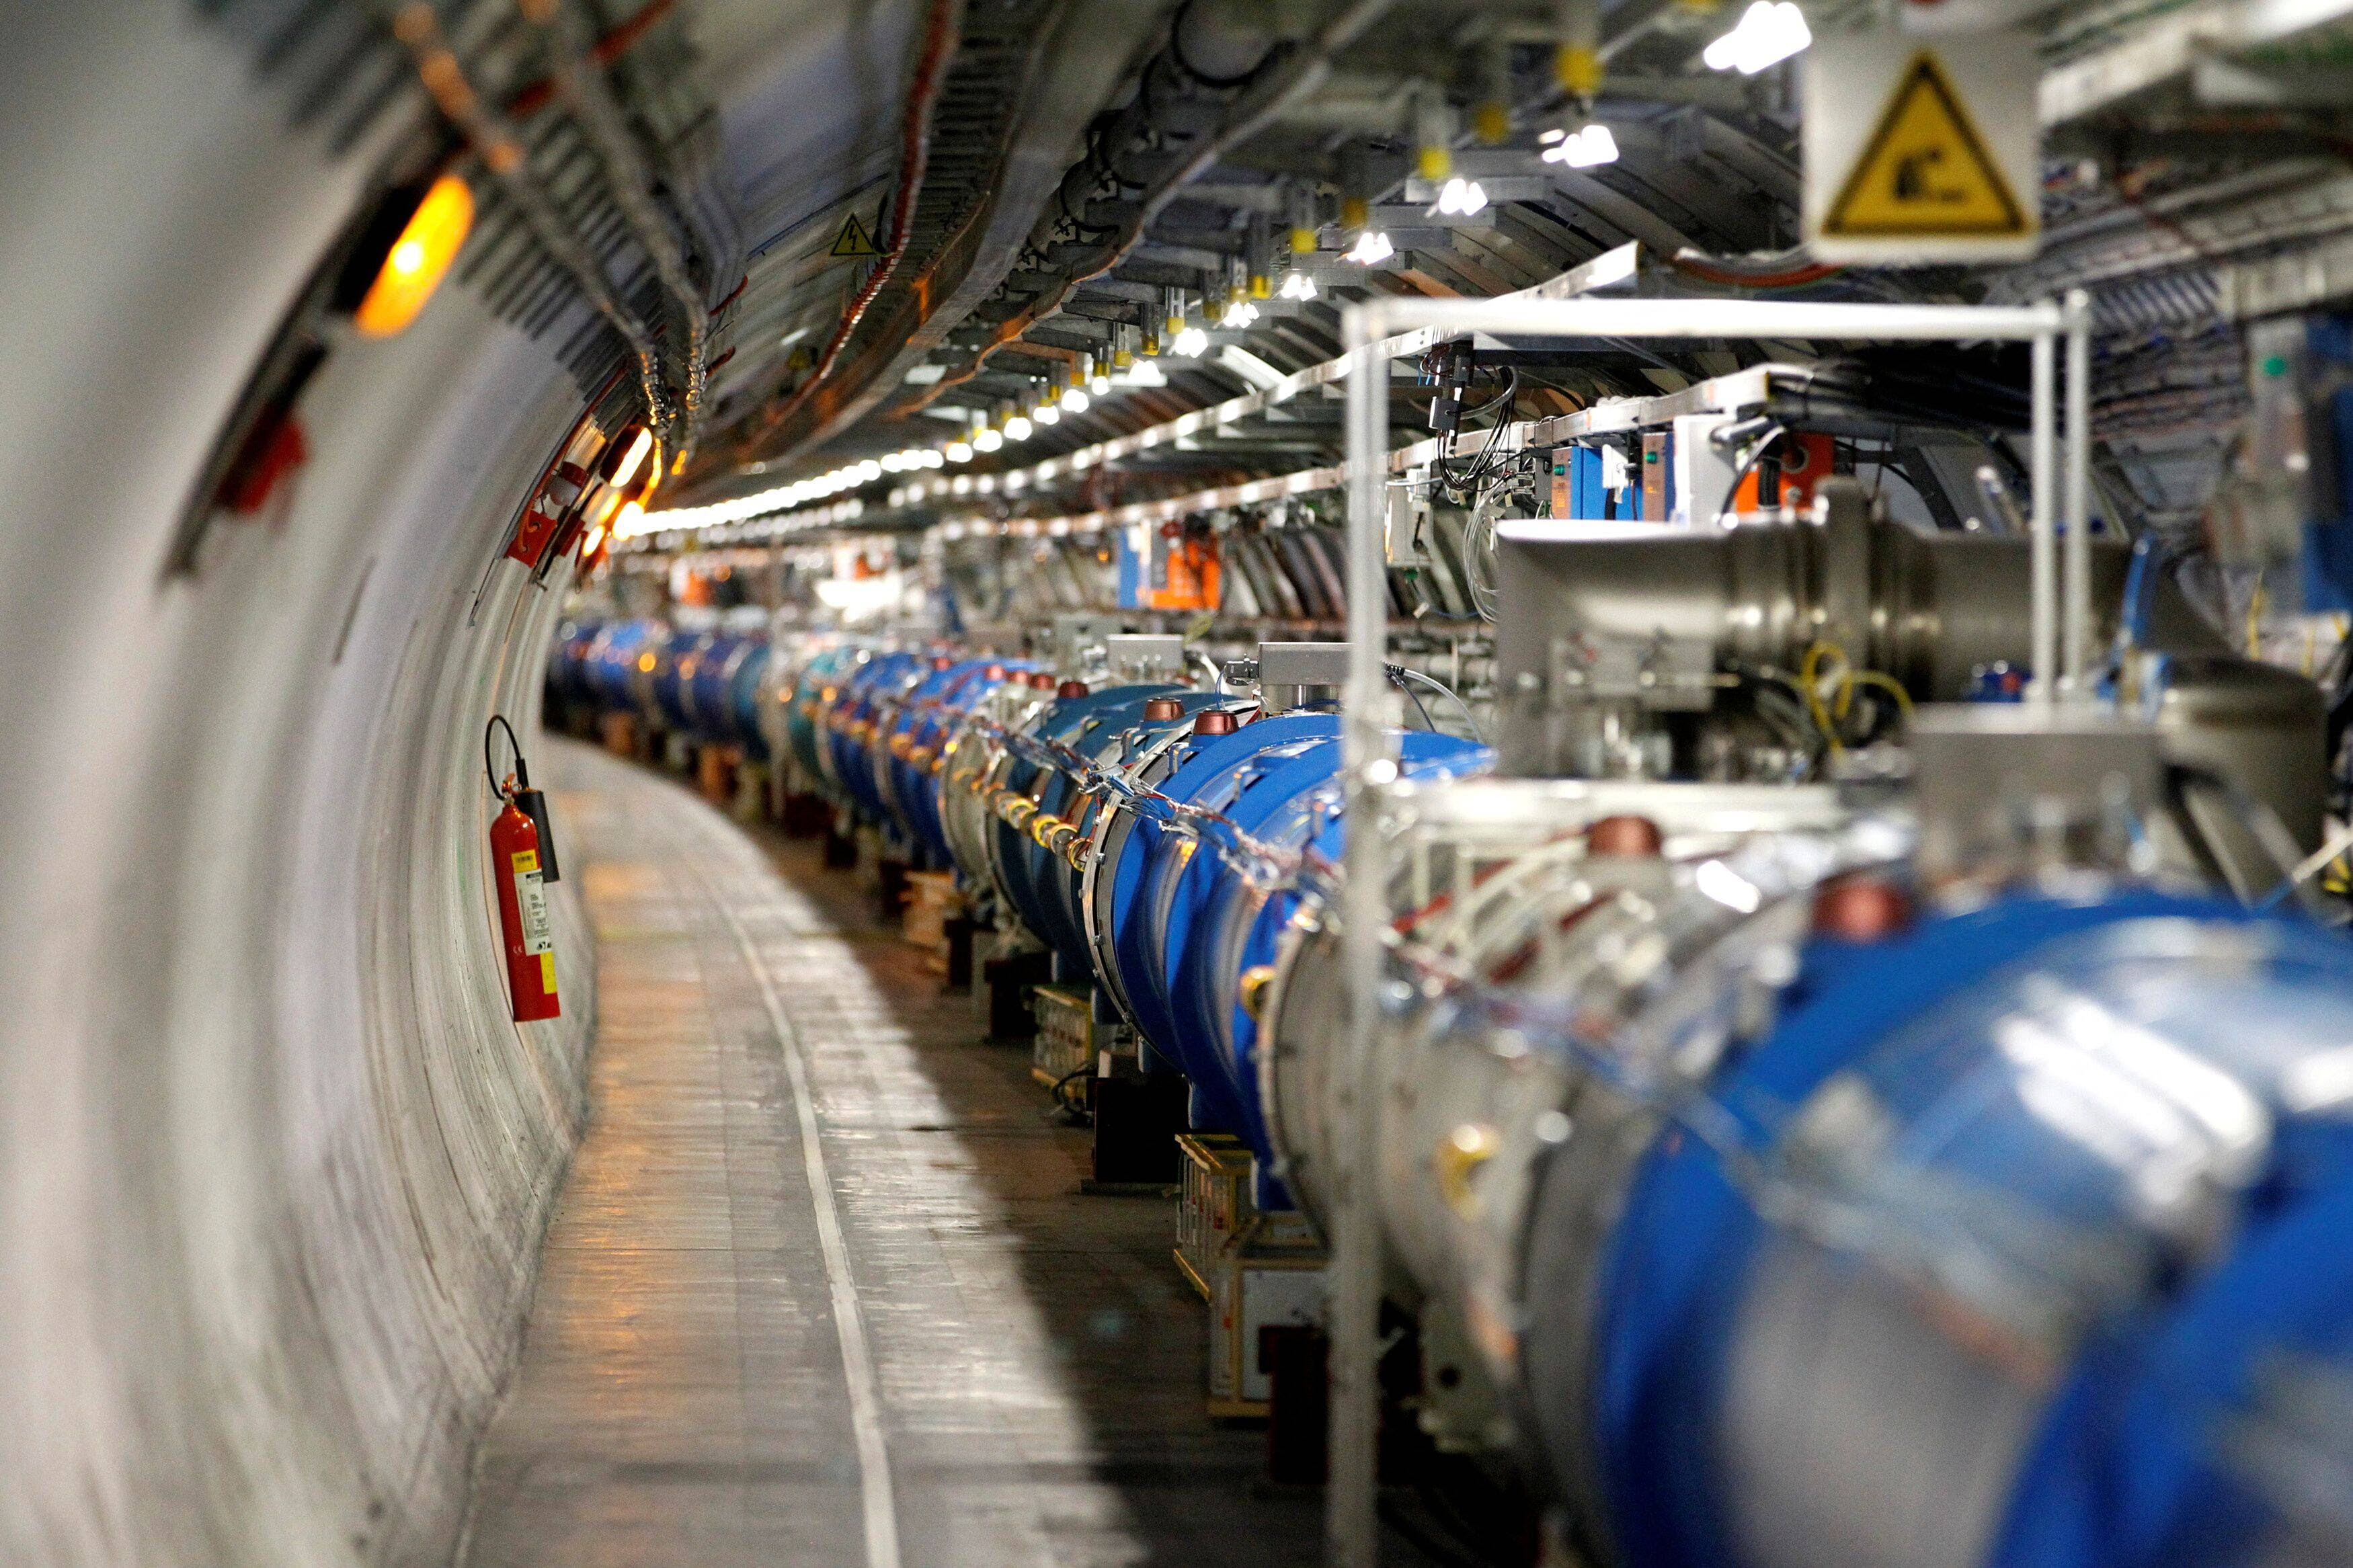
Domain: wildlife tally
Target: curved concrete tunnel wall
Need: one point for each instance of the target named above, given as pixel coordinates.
(275, 1163)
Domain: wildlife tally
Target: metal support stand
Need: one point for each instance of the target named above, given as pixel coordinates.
(1138, 1118)
(2076, 672)
(891, 885)
(841, 842)
(1008, 979)
(2043, 461)
(1351, 1488)
(962, 937)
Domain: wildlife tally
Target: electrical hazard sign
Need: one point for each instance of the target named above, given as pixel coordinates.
(854, 240)
(1922, 149)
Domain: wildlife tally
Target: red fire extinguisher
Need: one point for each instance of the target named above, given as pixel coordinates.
(520, 865)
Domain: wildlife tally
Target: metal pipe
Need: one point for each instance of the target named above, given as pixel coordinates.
(2079, 492)
(579, 83)
(2043, 621)
(1351, 1525)
(487, 131)
(943, 36)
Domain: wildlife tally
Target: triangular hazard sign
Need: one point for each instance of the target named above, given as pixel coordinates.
(853, 239)
(1926, 170)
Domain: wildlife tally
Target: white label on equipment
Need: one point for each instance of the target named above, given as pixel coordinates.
(531, 899)
(1613, 466)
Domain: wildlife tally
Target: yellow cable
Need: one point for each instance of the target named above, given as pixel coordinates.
(1826, 662)
(1810, 682)
(1887, 683)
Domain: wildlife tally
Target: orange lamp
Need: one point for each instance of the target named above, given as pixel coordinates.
(419, 259)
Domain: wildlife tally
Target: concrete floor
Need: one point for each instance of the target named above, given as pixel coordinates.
(1027, 1361)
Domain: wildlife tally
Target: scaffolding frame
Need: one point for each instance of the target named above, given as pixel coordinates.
(2060, 642)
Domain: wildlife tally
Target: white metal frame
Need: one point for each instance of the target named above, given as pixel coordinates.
(1351, 1521)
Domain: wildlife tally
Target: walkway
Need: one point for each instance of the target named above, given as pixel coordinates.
(938, 1355)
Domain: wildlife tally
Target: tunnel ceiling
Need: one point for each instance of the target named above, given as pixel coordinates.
(812, 233)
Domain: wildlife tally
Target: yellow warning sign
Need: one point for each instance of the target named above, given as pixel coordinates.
(854, 240)
(1925, 170)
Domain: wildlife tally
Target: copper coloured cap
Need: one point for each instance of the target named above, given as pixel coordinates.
(1160, 709)
(1626, 837)
(1070, 689)
(1213, 722)
(1860, 906)
(940, 661)
(1041, 681)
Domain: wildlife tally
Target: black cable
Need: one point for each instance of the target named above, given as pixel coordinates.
(1443, 466)
(1415, 697)
(1423, 1541)
(1483, 470)
(2177, 782)
(1755, 456)
(1482, 465)
(1444, 1497)
(2336, 693)
(1511, 389)
(1776, 698)
(1064, 1105)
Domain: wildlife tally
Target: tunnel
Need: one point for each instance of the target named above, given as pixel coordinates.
(1554, 783)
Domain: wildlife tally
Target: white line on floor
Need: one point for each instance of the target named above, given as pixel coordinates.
(848, 1317)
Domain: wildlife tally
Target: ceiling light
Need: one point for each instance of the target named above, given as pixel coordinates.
(1189, 343)
(1587, 149)
(959, 452)
(1018, 428)
(1046, 413)
(1372, 247)
(1075, 399)
(628, 456)
(1298, 285)
(1769, 32)
(988, 440)
(630, 521)
(1239, 314)
(1100, 384)
(892, 462)
(933, 458)
(1461, 197)
(1144, 372)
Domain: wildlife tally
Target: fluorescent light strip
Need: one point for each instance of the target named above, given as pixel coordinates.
(1610, 267)
(1613, 266)
(1305, 481)
(1725, 393)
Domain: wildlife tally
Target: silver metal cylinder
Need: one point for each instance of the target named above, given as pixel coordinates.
(1929, 610)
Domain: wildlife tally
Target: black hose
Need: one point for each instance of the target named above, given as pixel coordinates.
(1755, 456)
(522, 773)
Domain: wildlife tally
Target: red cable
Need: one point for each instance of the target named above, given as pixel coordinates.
(1811, 273)
(532, 97)
(939, 39)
